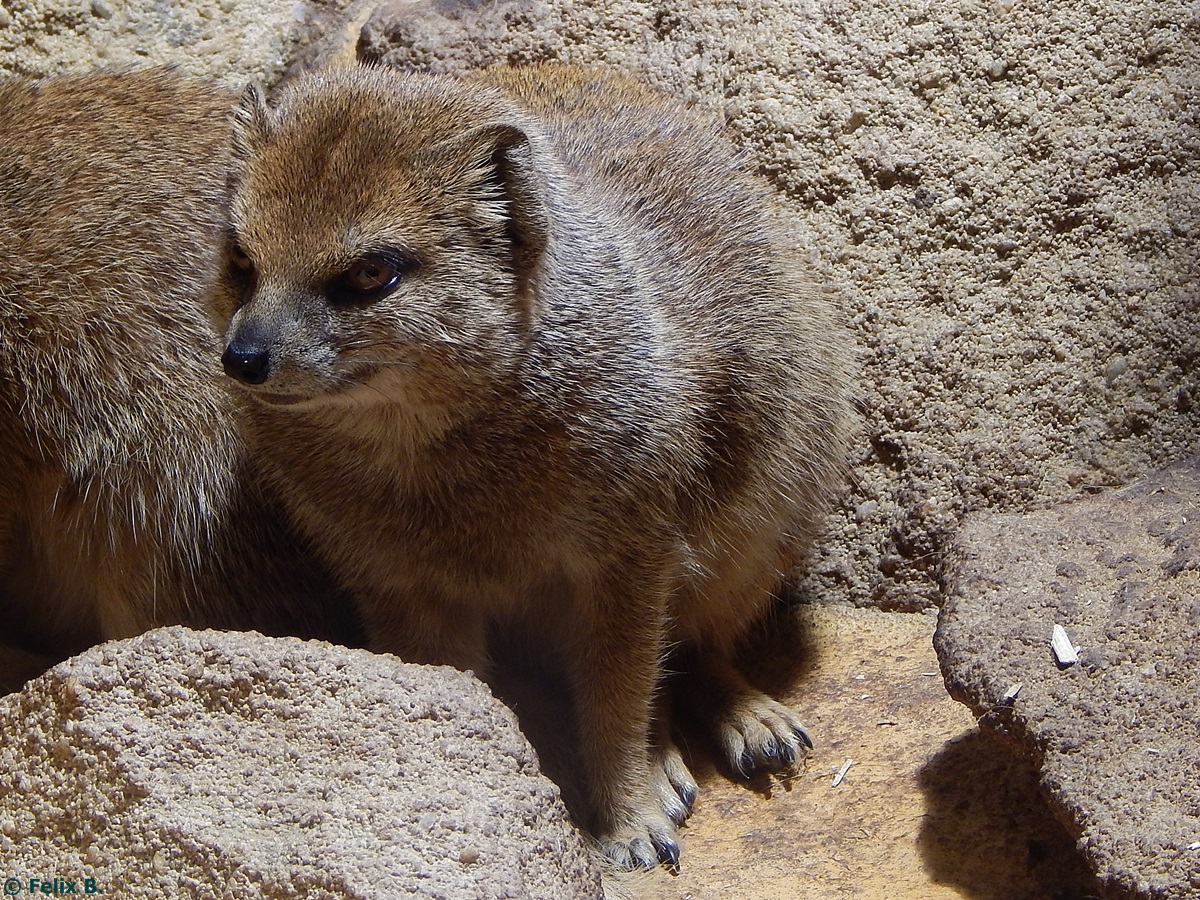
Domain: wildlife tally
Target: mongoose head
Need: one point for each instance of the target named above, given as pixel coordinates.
(386, 231)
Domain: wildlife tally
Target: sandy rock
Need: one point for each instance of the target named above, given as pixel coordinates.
(230, 40)
(1006, 193)
(224, 765)
(449, 36)
(1117, 734)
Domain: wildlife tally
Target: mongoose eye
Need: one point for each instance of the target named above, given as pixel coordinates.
(374, 276)
(241, 272)
(369, 275)
(238, 258)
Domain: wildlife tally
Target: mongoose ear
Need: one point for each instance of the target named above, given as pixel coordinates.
(509, 189)
(250, 121)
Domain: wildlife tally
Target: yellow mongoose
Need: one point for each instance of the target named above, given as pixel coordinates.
(122, 496)
(531, 345)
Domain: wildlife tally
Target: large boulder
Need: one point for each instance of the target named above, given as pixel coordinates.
(1117, 733)
(228, 765)
(230, 40)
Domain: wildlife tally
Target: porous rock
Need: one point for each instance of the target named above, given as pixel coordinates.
(227, 765)
(1117, 734)
(234, 41)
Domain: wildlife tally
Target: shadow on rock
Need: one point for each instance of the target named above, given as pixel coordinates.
(989, 833)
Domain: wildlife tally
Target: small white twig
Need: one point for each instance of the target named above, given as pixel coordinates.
(841, 773)
(1065, 652)
(1011, 694)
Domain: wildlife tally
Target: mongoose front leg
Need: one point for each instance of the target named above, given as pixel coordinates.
(615, 673)
(422, 626)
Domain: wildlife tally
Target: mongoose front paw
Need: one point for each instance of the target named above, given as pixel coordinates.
(759, 734)
(673, 784)
(643, 846)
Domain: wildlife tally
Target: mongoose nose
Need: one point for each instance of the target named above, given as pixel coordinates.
(248, 363)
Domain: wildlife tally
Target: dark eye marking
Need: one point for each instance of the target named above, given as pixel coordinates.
(370, 278)
(240, 268)
(238, 260)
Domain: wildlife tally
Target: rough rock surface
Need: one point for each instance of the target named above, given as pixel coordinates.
(223, 765)
(1006, 192)
(1117, 734)
(230, 40)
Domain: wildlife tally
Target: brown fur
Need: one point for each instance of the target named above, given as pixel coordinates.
(601, 395)
(121, 460)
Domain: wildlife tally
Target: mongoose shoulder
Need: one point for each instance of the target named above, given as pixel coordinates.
(122, 489)
(533, 344)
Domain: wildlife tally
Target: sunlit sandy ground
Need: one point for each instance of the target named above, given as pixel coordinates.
(929, 809)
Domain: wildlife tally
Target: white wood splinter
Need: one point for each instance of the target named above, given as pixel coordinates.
(1065, 652)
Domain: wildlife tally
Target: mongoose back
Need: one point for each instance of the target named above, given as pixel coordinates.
(123, 498)
(531, 345)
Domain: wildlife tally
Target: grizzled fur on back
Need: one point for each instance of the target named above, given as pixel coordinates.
(121, 459)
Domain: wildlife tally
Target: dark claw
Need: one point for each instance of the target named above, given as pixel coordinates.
(678, 813)
(770, 751)
(668, 853)
(643, 855)
(803, 736)
(687, 794)
(787, 756)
